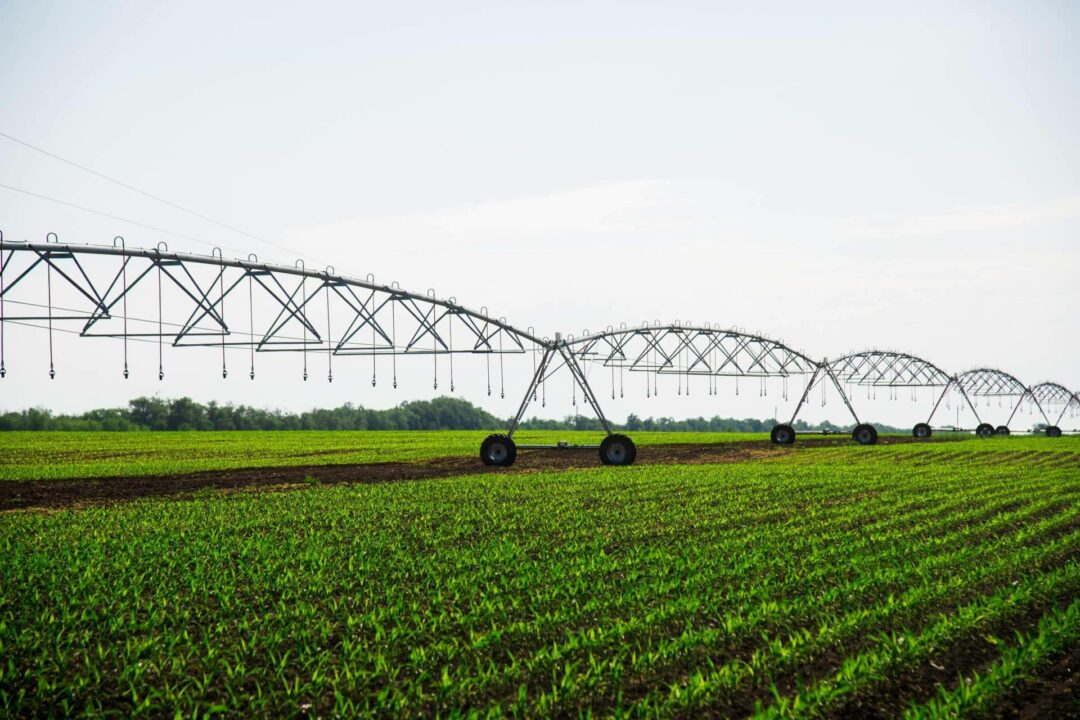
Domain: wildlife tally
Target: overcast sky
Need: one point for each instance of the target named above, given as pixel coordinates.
(842, 175)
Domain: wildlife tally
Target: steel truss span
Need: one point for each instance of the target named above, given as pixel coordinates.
(889, 370)
(186, 300)
(1050, 396)
(213, 302)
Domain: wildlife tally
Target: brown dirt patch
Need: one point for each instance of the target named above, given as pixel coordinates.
(1054, 693)
(21, 494)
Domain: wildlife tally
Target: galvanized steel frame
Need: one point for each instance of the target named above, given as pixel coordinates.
(661, 349)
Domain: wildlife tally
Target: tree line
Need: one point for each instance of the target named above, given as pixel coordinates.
(443, 413)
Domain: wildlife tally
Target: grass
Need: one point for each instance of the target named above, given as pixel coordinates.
(826, 581)
(42, 455)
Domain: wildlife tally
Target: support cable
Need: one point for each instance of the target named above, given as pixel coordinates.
(110, 216)
(144, 193)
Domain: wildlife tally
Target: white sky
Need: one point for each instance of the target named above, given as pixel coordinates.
(839, 175)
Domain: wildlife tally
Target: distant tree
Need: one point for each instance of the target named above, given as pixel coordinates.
(441, 413)
(149, 413)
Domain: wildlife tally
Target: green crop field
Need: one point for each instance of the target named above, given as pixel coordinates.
(39, 455)
(926, 580)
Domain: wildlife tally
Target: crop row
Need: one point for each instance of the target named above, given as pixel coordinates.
(48, 455)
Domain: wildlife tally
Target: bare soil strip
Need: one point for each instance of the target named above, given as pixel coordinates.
(21, 494)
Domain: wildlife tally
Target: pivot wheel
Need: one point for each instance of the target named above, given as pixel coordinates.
(922, 431)
(783, 435)
(498, 450)
(984, 430)
(617, 450)
(1053, 431)
(865, 434)
(1001, 430)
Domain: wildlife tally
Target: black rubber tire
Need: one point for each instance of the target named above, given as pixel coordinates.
(498, 450)
(782, 435)
(1001, 430)
(1053, 431)
(865, 434)
(617, 450)
(923, 431)
(985, 430)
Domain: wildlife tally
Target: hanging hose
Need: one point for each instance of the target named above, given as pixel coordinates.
(686, 363)
(393, 340)
(251, 324)
(48, 280)
(161, 332)
(656, 376)
(712, 371)
(543, 389)
(678, 371)
(450, 334)
(502, 375)
(303, 322)
(123, 274)
(534, 353)
(651, 354)
(573, 382)
(329, 340)
(224, 328)
(3, 370)
(487, 356)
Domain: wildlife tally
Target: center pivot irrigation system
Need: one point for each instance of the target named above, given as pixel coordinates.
(221, 304)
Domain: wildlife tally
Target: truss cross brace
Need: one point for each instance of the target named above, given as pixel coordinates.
(559, 346)
(820, 372)
(953, 381)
